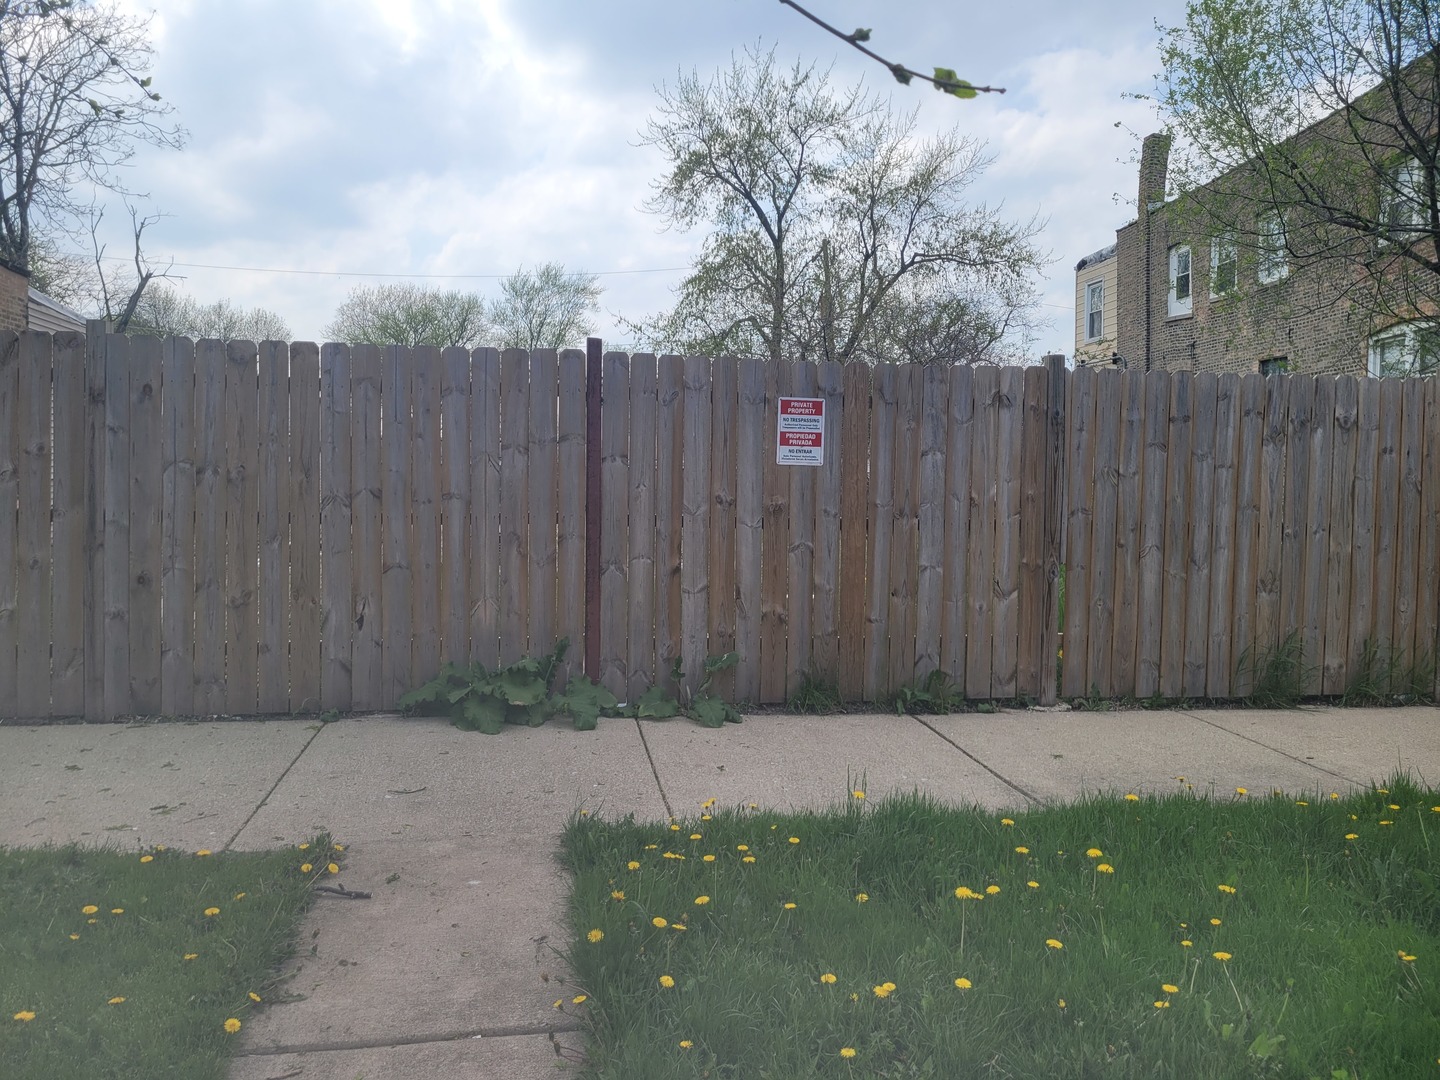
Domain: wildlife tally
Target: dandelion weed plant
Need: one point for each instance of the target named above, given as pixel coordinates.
(142, 965)
(1225, 935)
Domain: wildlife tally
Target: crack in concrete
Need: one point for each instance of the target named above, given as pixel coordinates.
(261, 804)
(1273, 749)
(1003, 779)
(669, 813)
(506, 1032)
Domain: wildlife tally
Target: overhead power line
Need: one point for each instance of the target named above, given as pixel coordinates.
(362, 273)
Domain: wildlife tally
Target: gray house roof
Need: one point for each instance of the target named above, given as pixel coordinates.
(47, 313)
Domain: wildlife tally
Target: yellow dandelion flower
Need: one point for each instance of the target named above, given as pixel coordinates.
(695, 836)
(659, 922)
(1228, 889)
(25, 1016)
(339, 847)
(116, 1001)
(1169, 988)
(232, 1025)
(678, 926)
(964, 892)
(240, 896)
(847, 1051)
(1061, 1003)
(1094, 853)
(1023, 850)
(1007, 821)
(203, 851)
(1033, 884)
(1334, 795)
(1105, 868)
(1221, 956)
(862, 898)
(1132, 797)
(1162, 1004)
(117, 911)
(748, 859)
(1406, 957)
(963, 984)
(667, 981)
(686, 1044)
(1054, 943)
(74, 937)
(1214, 922)
(579, 999)
(254, 996)
(333, 868)
(303, 847)
(211, 912)
(559, 1003)
(708, 858)
(651, 847)
(884, 990)
(674, 828)
(1241, 791)
(190, 956)
(790, 905)
(632, 865)
(702, 900)
(147, 858)
(89, 909)
(742, 847)
(305, 868)
(857, 793)
(1186, 943)
(1382, 791)
(1387, 823)
(617, 894)
(92, 922)
(992, 890)
(794, 839)
(595, 935)
(828, 978)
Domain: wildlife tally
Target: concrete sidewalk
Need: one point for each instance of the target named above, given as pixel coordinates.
(451, 969)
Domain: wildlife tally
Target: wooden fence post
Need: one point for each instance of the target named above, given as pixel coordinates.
(1054, 522)
(593, 349)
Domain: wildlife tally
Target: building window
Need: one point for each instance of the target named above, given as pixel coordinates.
(1276, 365)
(1094, 311)
(1406, 349)
(1180, 280)
(1224, 266)
(1400, 202)
(1271, 263)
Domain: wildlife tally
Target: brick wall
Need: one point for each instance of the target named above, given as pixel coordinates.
(14, 299)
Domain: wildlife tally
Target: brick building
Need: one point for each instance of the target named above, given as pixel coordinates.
(1189, 295)
(14, 298)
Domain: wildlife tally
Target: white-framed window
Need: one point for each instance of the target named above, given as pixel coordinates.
(1271, 263)
(1406, 349)
(1274, 365)
(1094, 311)
(1224, 266)
(1180, 300)
(1401, 201)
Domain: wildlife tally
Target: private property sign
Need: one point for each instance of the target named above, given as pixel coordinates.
(801, 438)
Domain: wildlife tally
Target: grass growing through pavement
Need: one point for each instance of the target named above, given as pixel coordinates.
(141, 965)
(1121, 936)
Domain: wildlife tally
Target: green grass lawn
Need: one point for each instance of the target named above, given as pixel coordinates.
(1235, 935)
(138, 965)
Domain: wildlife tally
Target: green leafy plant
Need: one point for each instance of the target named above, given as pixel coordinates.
(478, 699)
(815, 695)
(936, 693)
(1277, 674)
(667, 699)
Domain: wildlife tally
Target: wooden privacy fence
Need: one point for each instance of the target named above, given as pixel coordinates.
(198, 528)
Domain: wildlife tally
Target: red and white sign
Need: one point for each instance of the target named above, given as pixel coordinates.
(801, 438)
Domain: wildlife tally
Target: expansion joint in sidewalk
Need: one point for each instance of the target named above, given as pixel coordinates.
(998, 776)
(504, 1032)
(279, 780)
(1273, 749)
(653, 770)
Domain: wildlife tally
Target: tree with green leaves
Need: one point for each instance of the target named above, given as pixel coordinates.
(164, 311)
(545, 308)
(75, 100)
(407, 314)
(1306, 130)
(834, 226)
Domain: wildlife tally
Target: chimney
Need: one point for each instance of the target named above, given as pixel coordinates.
(1154, 164)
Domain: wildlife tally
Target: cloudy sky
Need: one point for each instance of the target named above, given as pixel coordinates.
(453, 141)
